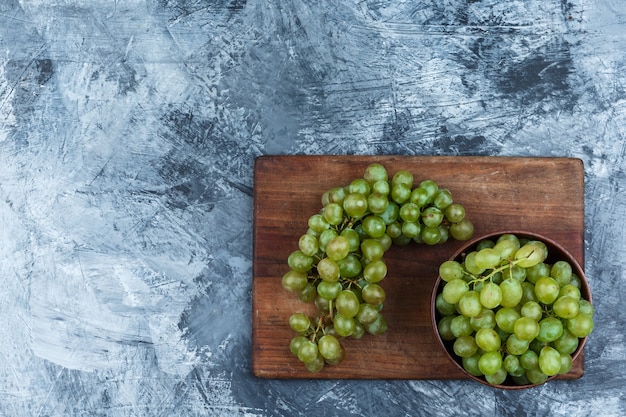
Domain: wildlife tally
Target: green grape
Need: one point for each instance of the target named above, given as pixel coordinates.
(506, 318)
(378, 326)
(528, 293)
(360, 186)
(318, 223)
(400, 193)
(484, 243)
(546, 290)
(338, 248)
(375, 172)
(465, 346)
(391, 213)
(532, 309)
(381, 187)
(329, 347)
(355, 205)
(394, 230)
(325, 237)
(550, 329)
(526, 328)
(372, 250)
(377, 203)
(486, 319)
(350, 266)
(567, 343)
(490, 363)
(561, 271)
(529, 360)
(410, 212)
(432, 216)
(431, 189)
(530, 254)
(455, 213)
(444, 308)
(511, 292)
(580, 325)
(294, 280)
(454, 289)
(516, 273)
(386, 241)
(469, 304)
(444, 234)
(497, 378)
(419, 196)
(347, 303)
(566, 307)
(513, 366)
(506, 248)
(537, 271)
(295, 344)
(335, 195)
(443, 199)
(411, 229)
(353, 238)
(367, 313)
(375, 271)
(373, 294)
(516, 346)
(488, 340)
(450, 270)
(344, 326)
(359, 330)
(308, 351)
(300, 262)
(443, 327)
(333, 213)
(462, 230)
(487, 258)
(535, 376)
(316, 365)
(308, 293)
(374, 226)
(585, 307)
(569, 290)
(328, 290)
(470, 264)
(322, 304)
(431, 235)
(461, 326)
(549, 361)
(299, 322)
(328, 270)
(402, 177)
(308, 245)
(470, 364)
(566, 363)
(490, 295)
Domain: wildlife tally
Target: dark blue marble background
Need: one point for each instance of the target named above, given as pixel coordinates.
(128, 131)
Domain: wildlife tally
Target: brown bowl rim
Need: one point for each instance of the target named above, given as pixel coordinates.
(578, 269)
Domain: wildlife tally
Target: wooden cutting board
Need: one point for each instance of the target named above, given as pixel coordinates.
(541, 195)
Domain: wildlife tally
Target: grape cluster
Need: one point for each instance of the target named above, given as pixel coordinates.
(339, 262)
(510, 314)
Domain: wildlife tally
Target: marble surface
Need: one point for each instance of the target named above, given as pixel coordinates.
(128, 131)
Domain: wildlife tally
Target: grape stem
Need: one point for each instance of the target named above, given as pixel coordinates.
(509, 266)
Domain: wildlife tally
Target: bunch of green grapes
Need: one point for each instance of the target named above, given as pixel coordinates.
(510, 314)
(339, 262)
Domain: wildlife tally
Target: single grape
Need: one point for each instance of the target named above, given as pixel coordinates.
(537, 271)
(454, 213)
(490, 295)
(450, 270)
(488, 340)
(400, 193)
(516, 346)
(535, 376)
(469, 304)
(378, 326)
(333, 213)
(328, 290)
(566, 363)
(465, 346)
(353, 238)
(402, 177)
(325, 237)
(513, 366)
(443, 199)
(561, 271)
(461, 326)
(419, 196)
(431, 189)
(355, 205)
(391, 213)
(375, 271)
(295, 344)
(308, 351)
(567, 343)
(432, 216)
(470, 264)
(347, 303)
(570, 290)
(308, 293)
(338, 248)
(511, 292)
(372, 250)
(526, 328)
(549, 361)
(462, 230)
(454, 289)
(486, 319)
(490, 363)
(294, 280)
(377, 203)
(318, 223)
(529, 360)
(367, 313)
(381, 187)
(375, 172)
(329, 347)
(470, 364)
(411, 229)
(299, 322)
(532, 309)
(443, 327)
(566, 307)
(546, 290)
(497, 378)
(487, 258)
(506, 318)
(585, 307)
(444, 308)
(373, 294)
(344, 326)
(300, 262)
(374, 226)
(506, 248)
(328, 270)
(580, 325)
(550, 329)
(431, 235)
(528, 255)
(410, 212)
(350, 266)
(360, 186)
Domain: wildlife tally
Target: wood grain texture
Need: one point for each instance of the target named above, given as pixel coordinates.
(541, 195)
